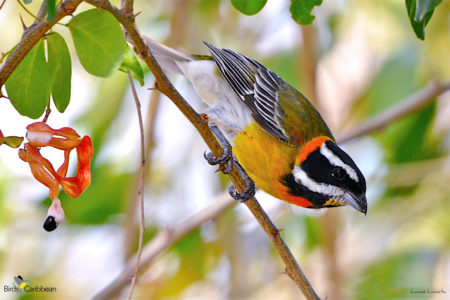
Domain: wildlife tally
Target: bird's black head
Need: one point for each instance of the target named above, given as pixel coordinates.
(327, 177)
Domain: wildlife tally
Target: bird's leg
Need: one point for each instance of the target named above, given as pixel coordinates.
(249, 190)
(226, 159)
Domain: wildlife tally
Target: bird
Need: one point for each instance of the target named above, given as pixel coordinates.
(268, 129)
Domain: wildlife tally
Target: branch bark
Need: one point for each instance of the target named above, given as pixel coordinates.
(164, 85)
(31, 36)
(405, 107)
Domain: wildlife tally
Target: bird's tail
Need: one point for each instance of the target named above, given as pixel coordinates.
(167, 57)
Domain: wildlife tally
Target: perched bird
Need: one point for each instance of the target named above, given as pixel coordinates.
(274, 132)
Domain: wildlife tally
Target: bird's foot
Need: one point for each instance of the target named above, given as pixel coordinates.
(225, 161)
(249, 190)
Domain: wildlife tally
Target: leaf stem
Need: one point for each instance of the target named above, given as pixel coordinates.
(29, 12)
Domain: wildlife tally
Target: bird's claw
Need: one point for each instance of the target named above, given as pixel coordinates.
(248, 193)
(225, 160)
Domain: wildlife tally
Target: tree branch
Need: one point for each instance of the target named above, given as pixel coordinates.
(405, 107)
(3, 3)
(163, 241)
(31, 36)
(292, 268)
(308, 62)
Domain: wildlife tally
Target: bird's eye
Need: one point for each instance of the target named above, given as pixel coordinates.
(338, 173)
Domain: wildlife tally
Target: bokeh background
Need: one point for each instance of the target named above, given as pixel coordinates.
(358, 59)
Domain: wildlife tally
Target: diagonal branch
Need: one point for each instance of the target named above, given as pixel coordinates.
(292, 268)
(405, 107)
(32, 35)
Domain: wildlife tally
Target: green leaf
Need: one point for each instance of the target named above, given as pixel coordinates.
(394, 82)
(60, 69)
(131, 63)
(13, 141)
(28, 87)
(420, 15)
(113, 89)
(313, 233)
(301, 10)
(196, 258)
(400, 276)
(51, 10)
(423, 7)
(249, 7)
(99, 41)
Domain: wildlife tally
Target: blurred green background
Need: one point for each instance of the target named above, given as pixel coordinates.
(359, 58)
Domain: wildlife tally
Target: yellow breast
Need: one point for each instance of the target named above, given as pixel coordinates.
(265, 159)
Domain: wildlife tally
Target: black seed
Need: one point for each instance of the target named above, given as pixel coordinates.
(50, 223)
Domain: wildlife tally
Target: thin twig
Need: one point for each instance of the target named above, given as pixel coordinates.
(165, 86)
(164, 240)
(177, 28)
(31, 36)
(405, 107)
(140, 188)
(47, 113)
(43, 10)
(3, 3)
(129, 222)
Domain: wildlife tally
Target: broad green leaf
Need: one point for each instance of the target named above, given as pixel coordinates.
(394, 82)
(301, 10)
(99, 41)
(249, 7)
(406, 139)
(424, 6)
(401, 276)
(282, 65)
(51, 10)
(28, 87)
(196, 258)
(13, 141)
(131, 63)
(410, 140)
(60, 69)
(313, 232)
(420, 15)
(113, 89)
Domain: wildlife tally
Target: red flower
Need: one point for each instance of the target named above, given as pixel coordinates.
(41, 135)
(75, 185)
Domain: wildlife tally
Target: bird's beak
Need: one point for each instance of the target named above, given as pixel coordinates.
(357, 202)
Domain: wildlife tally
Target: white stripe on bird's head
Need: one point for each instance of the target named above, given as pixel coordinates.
(302, 178)
(337, 162)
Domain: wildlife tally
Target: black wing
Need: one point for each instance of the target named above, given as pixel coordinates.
(255, 85)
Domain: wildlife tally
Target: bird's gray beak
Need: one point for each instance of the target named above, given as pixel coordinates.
(357, 202)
